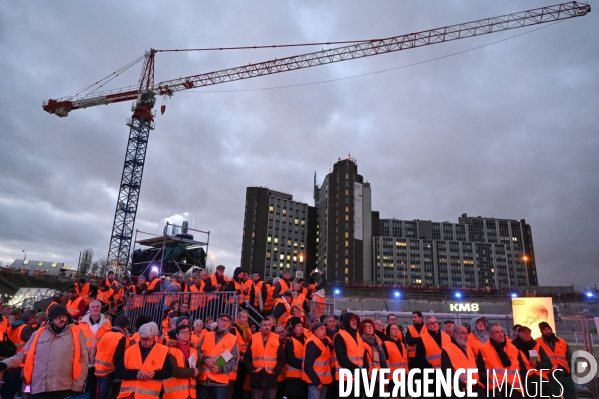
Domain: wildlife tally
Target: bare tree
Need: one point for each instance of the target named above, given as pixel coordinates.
(86, 261)
(97, 266)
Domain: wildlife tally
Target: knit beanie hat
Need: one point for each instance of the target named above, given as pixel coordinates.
(542, 324)
(57, 310)
(180, 319)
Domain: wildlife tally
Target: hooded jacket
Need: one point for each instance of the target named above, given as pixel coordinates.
(340, 346)
(483, 336)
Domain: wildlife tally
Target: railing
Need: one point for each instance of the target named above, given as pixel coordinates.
(201, 305)
(320, 308)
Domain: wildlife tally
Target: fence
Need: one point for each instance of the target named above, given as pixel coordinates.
(201, 305)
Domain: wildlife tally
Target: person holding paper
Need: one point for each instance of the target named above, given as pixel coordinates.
(533, 358)
(184, 357)
(264, 360)
(219, 353)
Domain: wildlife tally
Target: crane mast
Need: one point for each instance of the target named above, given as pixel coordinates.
(144, 95)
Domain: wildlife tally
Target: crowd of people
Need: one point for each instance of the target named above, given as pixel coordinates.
(274, 345)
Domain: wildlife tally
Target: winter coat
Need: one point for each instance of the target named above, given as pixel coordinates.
(52, 368)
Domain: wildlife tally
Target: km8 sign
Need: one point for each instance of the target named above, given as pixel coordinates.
(463, 307)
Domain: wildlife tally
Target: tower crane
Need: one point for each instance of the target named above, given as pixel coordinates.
(145, 92)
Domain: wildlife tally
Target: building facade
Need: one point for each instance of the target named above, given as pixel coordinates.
(276, 233)
(344, 228)
(476, 252)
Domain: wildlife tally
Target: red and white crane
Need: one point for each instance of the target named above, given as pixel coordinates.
(145, 92)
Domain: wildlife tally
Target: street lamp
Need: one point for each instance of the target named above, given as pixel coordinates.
(458, 295)
(514, 295)
(336, 292)
(24, 257)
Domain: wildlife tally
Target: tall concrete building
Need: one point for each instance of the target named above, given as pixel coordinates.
(344, 229)
(476, 252)
(279, 233)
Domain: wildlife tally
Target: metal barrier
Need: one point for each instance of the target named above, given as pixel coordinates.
(201, 305)
(320, 308)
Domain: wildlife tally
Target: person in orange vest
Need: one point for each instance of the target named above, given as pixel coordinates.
(184, 358)
(84, 290)
(243, 333)
(260, 292)
(296, 387)
(558, 351)
(144, 366)
(284, 284)
(282, 378)
(109, 279)
(217, 381)
(217, 281)
(75, 305)
(431, 343)
(106, 297)
(332, 327)
(395, 350)
(139, 321)
(282, 309)
(499, 360)
(198, 332)
(350, 350)
(458, 355)
(264, 361)
(269, 302)
(60, 345)
(56, 300)
(317, 369)
(111, 350)
(534, 358)
(375, 354)
(197, 301)
(479, 334)
(19, 332)
(412, 338)
(93, 325)
(319, 303)
(448, 326)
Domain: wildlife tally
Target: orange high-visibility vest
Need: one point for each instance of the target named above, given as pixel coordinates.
(134, 340)
(322, 364)
(15, 336)
(197, 300)
(214, 281)
(495, 367)
(414, 334)
(30, 360)
(91, 338)
(370, 357)
(474, 343)
(355, 351)
(73, 306)
(104, 296)
(397, 360)
(558, 358)
(151, 286)
(299, 351)
(544, 373)
(84, 292)
(139, 389)
(213, 350)
(299, 301)
(105, 354)
(258, 291)
(433, 351)
(269, 303)
(265, 357)
(460, 360)
(284, 286)
(172, 296)
(243, 346)
(282, 320)
(177, 388)
(3, 329)
(320, 306)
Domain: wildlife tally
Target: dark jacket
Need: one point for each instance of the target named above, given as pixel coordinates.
(341, 348)
(295, 385)
(262, 379)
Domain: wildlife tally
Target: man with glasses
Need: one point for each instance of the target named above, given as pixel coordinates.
(430, 346)
(458, 355)
(218, 371)
(60, 351)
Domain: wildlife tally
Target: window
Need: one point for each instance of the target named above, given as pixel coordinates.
(269, 239)
(271, 209)
(54, 264)
(40, 263)
(276, 240)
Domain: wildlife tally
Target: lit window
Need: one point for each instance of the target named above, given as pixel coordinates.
(303, 222)
(276, 240)
(269, 239)
(346, 244)
(346, 270)
(346, 261)
(282, 257)
(40, 263)
(275, 249)
(271, 209)
(25, 262)
(295, 258)
(54, 264)
(284, 211)
(268, 255)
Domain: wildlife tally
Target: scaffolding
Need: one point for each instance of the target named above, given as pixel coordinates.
(181, 249)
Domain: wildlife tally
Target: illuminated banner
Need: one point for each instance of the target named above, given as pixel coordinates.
(358, 211)
(530, 312)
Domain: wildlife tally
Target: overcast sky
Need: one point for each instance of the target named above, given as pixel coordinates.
(509, 130)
